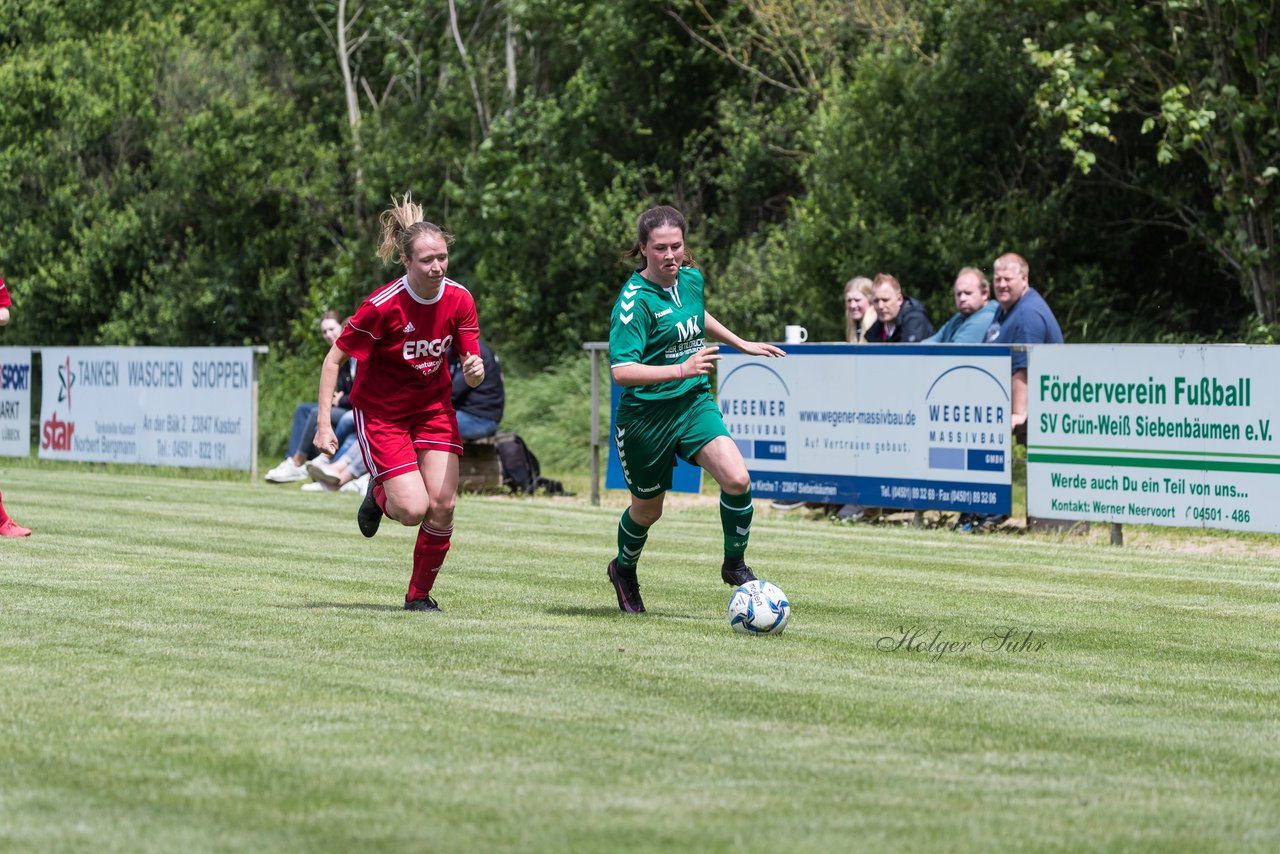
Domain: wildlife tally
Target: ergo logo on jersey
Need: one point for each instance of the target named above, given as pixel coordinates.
(417, 349)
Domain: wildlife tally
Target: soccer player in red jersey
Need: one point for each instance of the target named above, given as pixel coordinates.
(8, 527)
(405, 422)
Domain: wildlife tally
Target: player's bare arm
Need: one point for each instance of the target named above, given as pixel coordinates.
(720, 332)
(325, 439)
(700, 363)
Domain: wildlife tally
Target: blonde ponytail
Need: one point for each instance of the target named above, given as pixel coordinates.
(402, 224)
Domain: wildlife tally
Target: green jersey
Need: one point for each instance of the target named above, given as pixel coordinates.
(653, 325)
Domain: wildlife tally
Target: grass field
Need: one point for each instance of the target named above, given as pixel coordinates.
(210, 665)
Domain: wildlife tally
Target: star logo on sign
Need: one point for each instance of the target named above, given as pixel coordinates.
(67, 379)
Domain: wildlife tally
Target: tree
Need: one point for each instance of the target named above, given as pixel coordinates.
(161, 184)
(1204, 76)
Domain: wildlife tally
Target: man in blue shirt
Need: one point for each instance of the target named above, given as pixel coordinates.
(1024, 318)
(975, 311)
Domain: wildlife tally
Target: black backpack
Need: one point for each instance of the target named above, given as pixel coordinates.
(520, 469)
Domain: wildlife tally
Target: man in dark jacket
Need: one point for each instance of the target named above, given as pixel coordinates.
(479, 409)
(900, 319)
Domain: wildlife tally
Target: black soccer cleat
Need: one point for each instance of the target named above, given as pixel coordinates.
(425, 604)
(369, 516)
(736, 576)
(627, 587)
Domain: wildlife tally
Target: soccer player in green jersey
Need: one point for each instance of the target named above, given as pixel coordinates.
(658, 353)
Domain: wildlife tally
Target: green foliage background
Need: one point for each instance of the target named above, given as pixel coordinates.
(195, 174)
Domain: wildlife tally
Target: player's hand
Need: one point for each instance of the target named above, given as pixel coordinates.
(325, 440)
(759, 348)
(701, 362)
(473, 370)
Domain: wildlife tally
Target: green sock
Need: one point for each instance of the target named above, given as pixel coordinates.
(631, 538)
(735, 519)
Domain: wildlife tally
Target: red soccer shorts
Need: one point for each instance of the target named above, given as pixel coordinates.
(390, 445)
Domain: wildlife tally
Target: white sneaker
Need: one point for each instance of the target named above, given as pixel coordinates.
(787, 505)
(287, 472)
(318, 487)
(357, 485)
(322, 472)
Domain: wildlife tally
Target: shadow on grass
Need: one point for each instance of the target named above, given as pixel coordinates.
(573, 611)
(350, 606)
(613, 612)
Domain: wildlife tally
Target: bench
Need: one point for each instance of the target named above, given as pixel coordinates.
(479, 470)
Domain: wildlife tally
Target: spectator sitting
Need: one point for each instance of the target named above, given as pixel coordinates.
(858, 314)
(900, 319)
(479, 412)
(974, 311)
(346, 473)
(300, 449)
(858, 318)
(479, 409)
(1023, 318)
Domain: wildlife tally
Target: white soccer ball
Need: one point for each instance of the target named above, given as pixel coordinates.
(759, 608)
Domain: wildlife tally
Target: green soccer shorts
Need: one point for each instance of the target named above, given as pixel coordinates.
(651, 434)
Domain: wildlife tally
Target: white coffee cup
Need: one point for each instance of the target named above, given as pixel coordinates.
(796, 335)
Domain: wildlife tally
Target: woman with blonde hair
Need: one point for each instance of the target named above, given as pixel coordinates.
(405, 421)
(858, 315)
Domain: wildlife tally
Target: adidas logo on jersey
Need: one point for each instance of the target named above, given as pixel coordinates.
(409, 327)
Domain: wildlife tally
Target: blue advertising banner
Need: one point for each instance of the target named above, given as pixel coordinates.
(916, 427)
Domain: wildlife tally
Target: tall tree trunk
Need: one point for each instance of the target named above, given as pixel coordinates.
(345, 50)
(511, 60)
(481, 116)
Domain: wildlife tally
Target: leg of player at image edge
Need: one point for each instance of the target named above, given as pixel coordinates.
(8, 527)
(428, 558)
(622, 569)
(735, 519)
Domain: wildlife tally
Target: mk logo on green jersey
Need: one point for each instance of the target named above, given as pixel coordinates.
(688, 329)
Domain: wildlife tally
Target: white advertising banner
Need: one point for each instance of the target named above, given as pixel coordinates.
(172, 406)
(1159, 435)
(921, 427)
(15, 402)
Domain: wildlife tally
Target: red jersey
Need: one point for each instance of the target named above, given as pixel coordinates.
(401, 342)
(4, 295)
